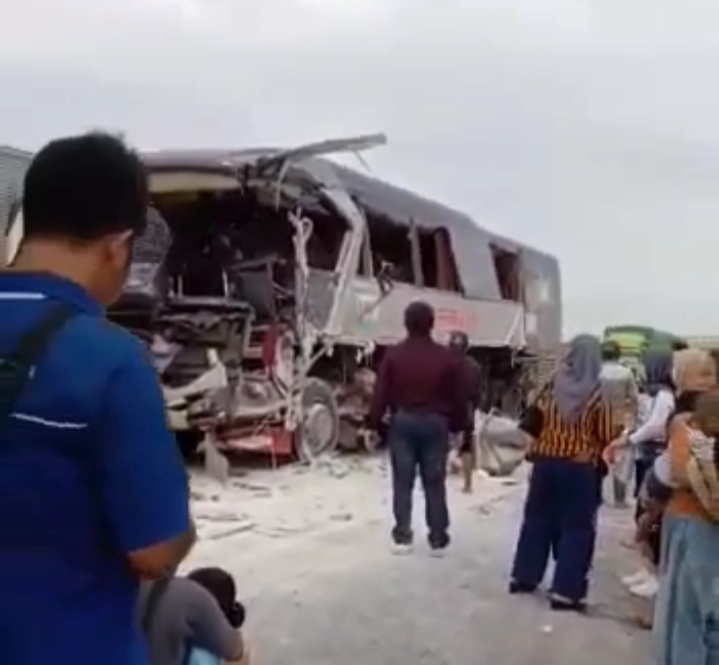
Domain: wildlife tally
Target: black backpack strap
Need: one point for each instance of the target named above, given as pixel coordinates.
(17, 366)
(152, 602)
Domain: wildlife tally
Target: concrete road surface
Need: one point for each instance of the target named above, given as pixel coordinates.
(336, 595)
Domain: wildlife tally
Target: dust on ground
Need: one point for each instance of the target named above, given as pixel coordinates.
(258, 511)
(309, 547)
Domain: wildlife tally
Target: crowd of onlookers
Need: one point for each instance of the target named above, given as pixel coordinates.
(94, 500)
(656, 431)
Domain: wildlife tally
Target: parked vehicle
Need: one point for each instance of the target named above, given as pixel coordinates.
(269, 282)
(634, 340)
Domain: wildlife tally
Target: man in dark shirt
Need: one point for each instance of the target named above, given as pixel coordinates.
(471, 382)
(419, 383)
(93, 493)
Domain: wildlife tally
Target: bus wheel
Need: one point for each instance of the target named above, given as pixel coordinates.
(319, 432)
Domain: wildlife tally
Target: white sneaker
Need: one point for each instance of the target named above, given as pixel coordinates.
(647, 589)
(437, 552)
(636, 578)
(401, 549)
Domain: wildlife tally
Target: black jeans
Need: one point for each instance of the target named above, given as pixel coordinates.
(419, 442)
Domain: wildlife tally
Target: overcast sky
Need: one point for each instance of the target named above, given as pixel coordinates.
(589, 128)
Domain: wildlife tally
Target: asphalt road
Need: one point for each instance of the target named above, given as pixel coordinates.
(338, 596)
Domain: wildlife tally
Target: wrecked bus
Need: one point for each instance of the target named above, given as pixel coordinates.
(269, 282)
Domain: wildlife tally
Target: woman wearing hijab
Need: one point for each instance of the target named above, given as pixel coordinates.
(650, 438)
(686, 625)
(695, 372)
(561, 505)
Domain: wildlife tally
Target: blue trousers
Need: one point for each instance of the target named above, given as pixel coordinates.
(419, 442)
(560, 512)
(686, 611)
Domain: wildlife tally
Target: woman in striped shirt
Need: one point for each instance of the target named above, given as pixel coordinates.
(562, 502)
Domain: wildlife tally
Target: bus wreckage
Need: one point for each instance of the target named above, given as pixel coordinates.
(269, 282)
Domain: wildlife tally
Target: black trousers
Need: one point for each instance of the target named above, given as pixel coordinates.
(641, 468)
(419, 442)
(559, 516)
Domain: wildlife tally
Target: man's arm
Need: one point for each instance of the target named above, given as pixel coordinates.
(382, 392)
(209, 627)
(143, 481)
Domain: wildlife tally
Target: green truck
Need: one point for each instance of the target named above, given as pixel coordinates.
(634, 340)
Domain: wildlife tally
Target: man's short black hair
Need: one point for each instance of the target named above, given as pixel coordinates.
(83, 188)
(611, 350)
(458, 339)
(419, 318)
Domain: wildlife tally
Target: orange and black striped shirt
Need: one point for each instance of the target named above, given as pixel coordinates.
(585, 438)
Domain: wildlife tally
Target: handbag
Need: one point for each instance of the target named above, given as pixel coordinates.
(532, 420)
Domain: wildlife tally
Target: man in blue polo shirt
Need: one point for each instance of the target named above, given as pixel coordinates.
(93, 493)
